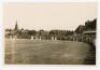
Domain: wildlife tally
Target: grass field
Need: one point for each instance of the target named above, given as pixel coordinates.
(47, 52)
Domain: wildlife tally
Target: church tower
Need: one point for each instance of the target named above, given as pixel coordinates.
(16, 26)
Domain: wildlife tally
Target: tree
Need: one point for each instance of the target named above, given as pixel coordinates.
(32, 32)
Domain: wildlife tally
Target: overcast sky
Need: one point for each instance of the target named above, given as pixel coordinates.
(48, 16)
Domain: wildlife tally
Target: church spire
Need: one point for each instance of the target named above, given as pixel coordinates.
(16, 26)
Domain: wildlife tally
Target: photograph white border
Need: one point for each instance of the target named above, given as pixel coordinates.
(47, 67)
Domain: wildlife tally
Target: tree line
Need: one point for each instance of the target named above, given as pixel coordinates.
(52, 34)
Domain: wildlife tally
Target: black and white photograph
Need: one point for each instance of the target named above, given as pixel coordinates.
(50, 33)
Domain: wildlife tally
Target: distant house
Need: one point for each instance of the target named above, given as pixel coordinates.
(87, 32)
(80, 29)
(79, 32)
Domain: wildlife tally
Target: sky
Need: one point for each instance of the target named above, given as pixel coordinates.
(48, 16)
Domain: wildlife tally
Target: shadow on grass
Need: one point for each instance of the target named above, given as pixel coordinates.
(91, 56)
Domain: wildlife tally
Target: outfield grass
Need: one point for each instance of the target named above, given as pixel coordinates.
(46, 52)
